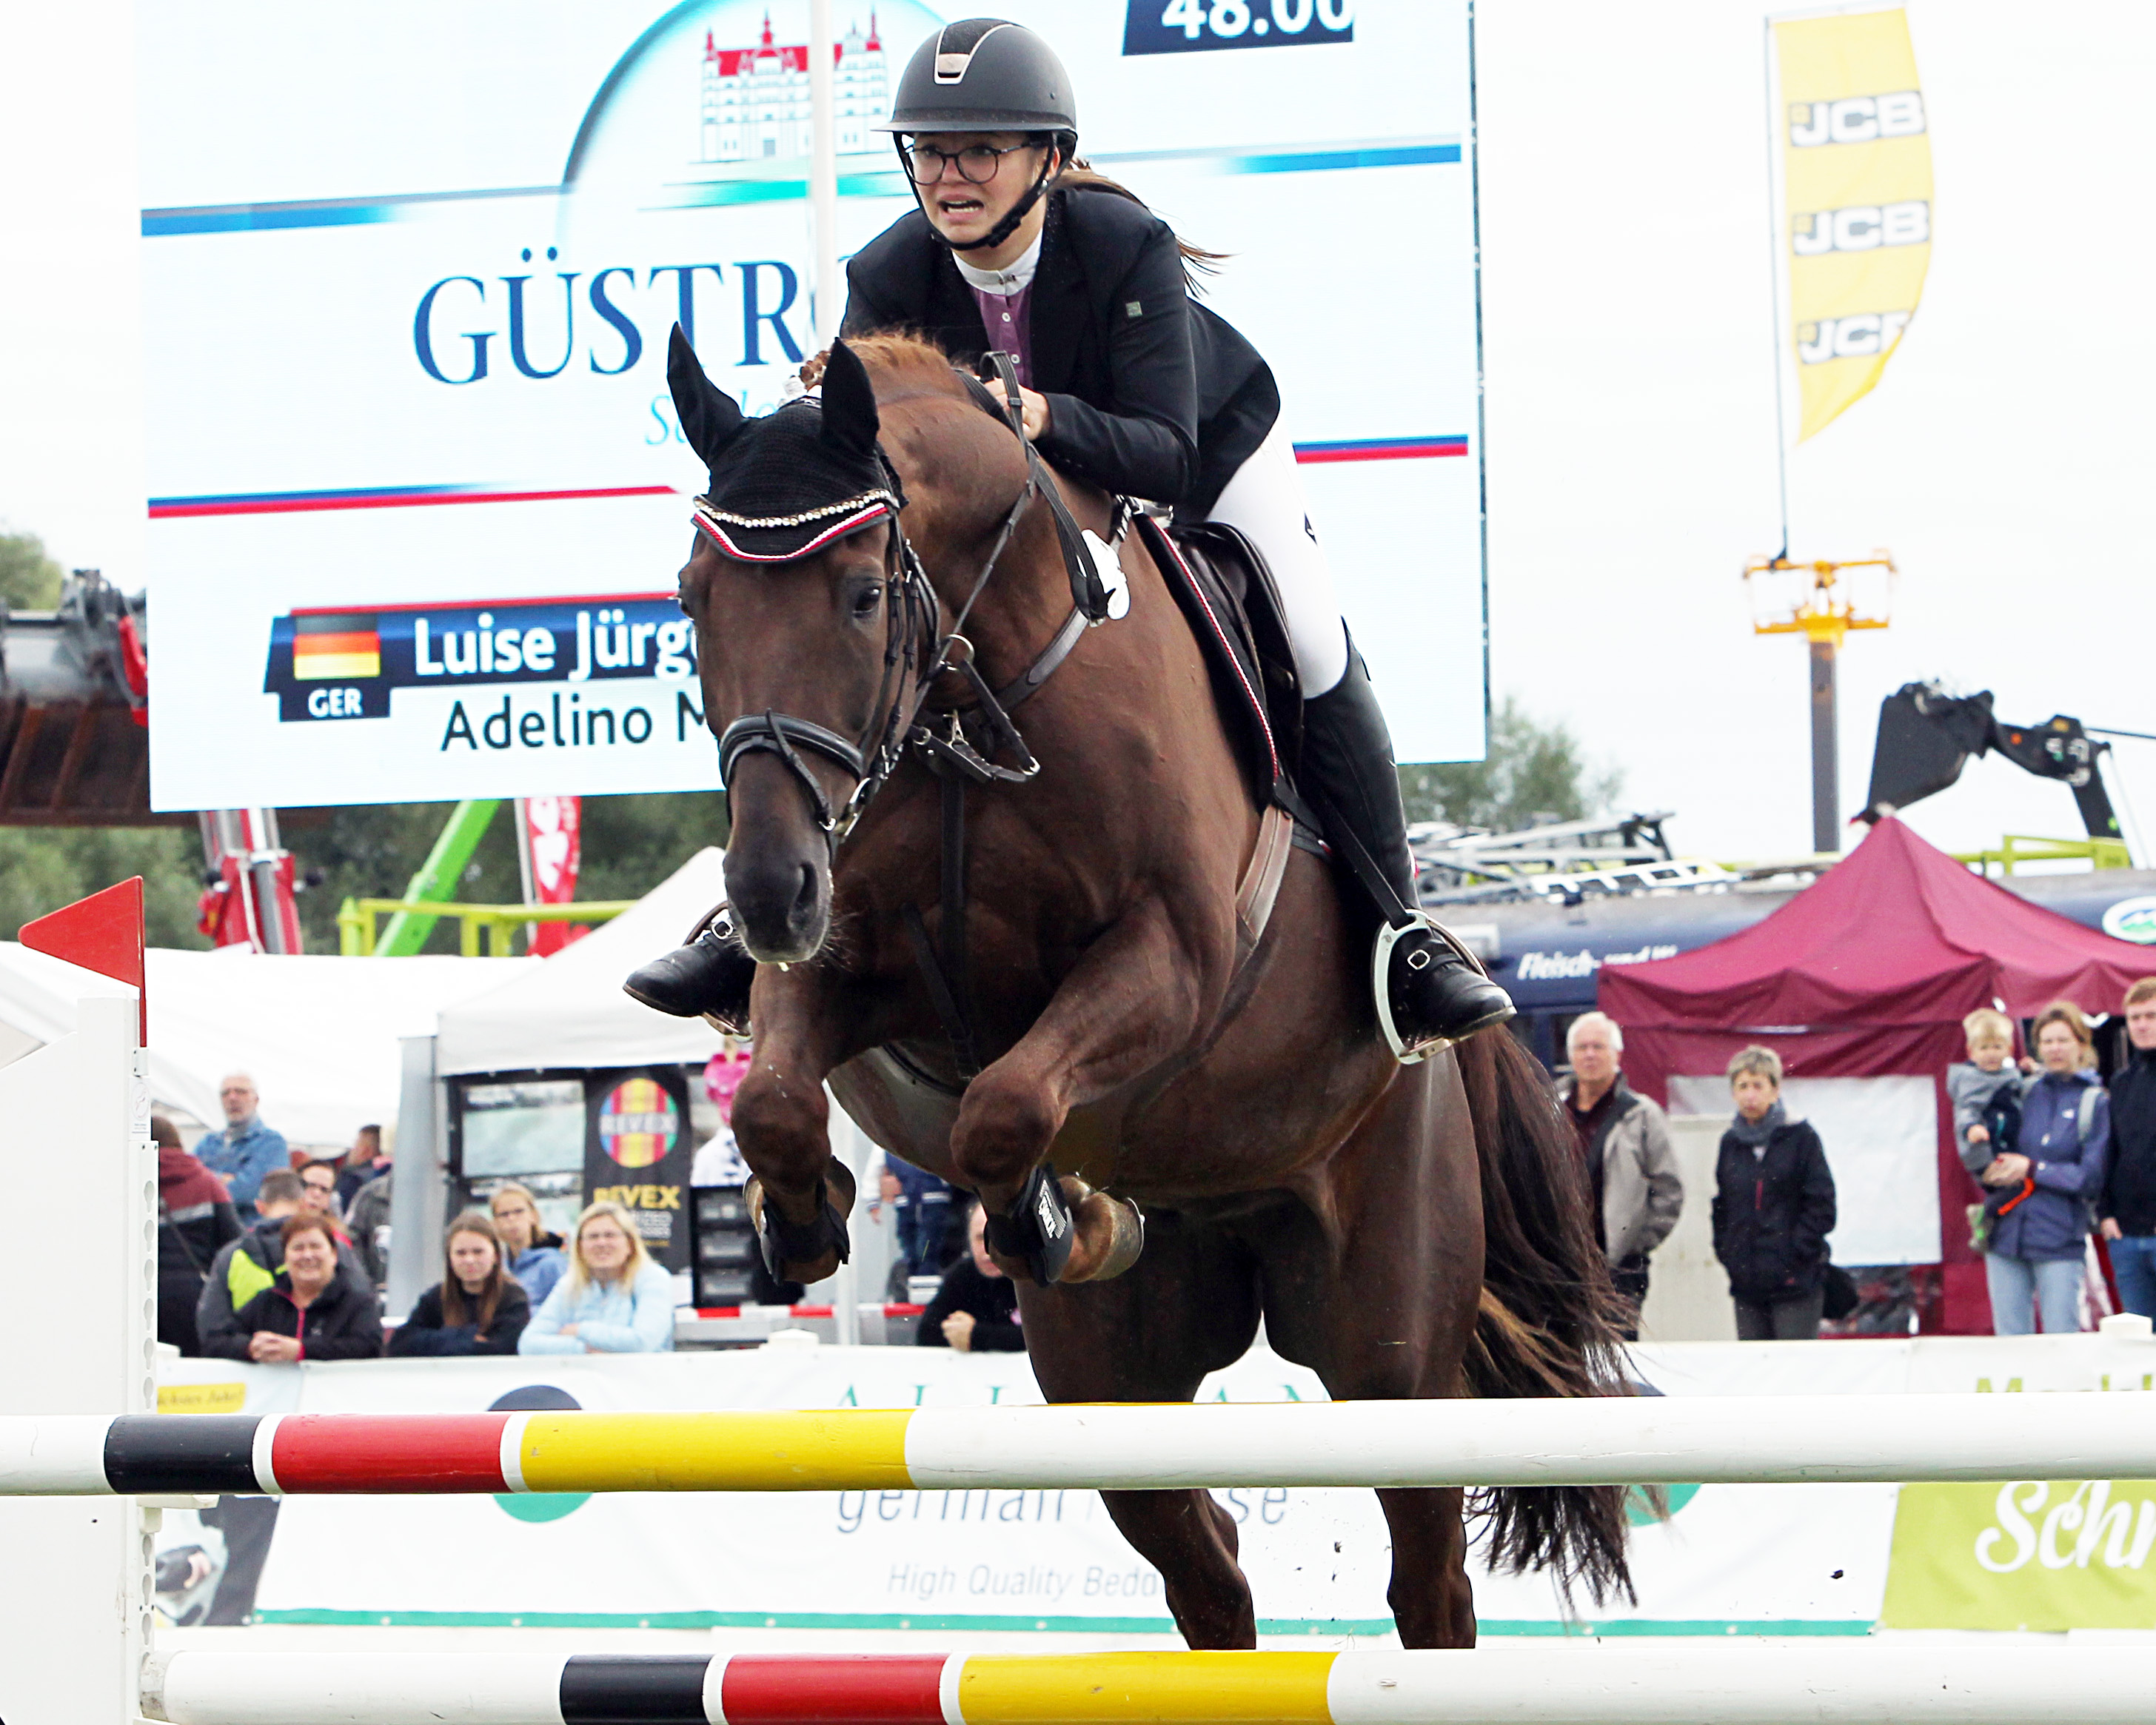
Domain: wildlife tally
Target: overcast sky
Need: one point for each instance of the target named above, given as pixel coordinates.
(2004, 460)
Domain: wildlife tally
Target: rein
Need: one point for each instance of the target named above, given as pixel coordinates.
(913, 610)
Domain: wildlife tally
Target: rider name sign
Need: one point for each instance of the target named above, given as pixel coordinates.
(417, 492)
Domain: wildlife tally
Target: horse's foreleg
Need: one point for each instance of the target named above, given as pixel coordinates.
(801, 1194)
(1128, 1005)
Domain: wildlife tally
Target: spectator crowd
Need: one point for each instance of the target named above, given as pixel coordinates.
(262, 1260)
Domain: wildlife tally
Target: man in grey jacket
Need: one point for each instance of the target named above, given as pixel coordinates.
(1624, 1144)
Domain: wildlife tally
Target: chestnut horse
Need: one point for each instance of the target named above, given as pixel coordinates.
(1401, 1230)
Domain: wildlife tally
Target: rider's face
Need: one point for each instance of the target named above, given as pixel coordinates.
(962, 211)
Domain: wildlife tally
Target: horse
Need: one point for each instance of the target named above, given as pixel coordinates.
(1402, 1230)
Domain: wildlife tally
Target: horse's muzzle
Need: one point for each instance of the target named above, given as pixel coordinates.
(781, 903)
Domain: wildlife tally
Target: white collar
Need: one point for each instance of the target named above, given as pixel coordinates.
(1016, 279)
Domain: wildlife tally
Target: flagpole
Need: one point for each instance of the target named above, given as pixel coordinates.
(824, 174)
(1774, 283)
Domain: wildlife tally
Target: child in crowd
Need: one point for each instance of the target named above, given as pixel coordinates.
(1985, 1090)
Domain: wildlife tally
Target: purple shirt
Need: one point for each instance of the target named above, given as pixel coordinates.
(1006, 319)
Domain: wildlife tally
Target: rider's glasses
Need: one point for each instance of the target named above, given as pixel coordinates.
(976, 162)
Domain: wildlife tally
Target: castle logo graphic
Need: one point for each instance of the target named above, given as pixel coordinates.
(755, 104)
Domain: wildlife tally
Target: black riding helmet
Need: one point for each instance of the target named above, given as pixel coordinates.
(986, 75)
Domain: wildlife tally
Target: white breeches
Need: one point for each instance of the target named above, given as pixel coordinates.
(1264, 501)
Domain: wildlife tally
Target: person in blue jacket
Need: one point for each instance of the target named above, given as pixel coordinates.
(613, 1299)
(531, 1254)
(2040, 1229)
(246, 1150)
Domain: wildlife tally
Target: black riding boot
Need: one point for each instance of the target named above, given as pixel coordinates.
(1428, 994)
(710, 978)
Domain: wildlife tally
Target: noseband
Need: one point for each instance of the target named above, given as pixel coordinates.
(912, 612)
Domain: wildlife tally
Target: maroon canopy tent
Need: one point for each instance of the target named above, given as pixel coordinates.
(1867, 972)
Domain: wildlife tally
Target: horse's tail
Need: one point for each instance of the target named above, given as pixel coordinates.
(1547, 1322)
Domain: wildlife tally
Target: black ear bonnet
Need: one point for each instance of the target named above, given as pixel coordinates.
(795, 480)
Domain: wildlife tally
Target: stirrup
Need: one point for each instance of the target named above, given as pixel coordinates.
(1407, 1052)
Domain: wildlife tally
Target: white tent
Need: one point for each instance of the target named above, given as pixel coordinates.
(319, 1034)
(571, 1011)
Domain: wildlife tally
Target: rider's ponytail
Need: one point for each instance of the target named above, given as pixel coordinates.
(1081, 177)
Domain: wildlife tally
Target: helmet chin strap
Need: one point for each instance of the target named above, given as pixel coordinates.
(1004, 229)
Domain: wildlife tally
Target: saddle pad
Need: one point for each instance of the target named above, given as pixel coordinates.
(1200, 567)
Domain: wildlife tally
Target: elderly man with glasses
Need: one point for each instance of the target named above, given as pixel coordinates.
(1624, 1148)
(246, 1149)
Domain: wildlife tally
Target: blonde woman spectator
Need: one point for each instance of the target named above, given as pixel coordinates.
(613, 1298)
(532, 1256)
(2051, 1177)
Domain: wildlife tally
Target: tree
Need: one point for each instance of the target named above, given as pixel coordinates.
(44, 868)
(630, 845)
(1532, 771)
(29, 579)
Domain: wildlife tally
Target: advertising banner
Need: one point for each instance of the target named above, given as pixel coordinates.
(550, 847)
(418, 496)
(639, 1155)
(1857, 182)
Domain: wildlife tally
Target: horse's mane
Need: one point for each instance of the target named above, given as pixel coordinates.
(900, 362)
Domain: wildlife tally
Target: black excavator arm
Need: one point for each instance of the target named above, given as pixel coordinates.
(1927, 737)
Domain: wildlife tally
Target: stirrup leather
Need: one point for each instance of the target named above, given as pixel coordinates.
(1409, 1053)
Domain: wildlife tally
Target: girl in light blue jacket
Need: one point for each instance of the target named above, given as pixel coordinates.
(613, 1299)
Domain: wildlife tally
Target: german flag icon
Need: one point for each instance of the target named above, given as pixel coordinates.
(335, 648)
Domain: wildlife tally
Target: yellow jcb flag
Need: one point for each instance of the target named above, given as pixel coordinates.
(1858, 179)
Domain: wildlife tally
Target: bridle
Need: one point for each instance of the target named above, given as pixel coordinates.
(913, 611)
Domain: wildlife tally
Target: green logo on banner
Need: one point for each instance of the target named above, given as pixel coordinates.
(2033, 1554)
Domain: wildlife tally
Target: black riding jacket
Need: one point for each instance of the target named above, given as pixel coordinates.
(1773, 1214)
(1149, 393)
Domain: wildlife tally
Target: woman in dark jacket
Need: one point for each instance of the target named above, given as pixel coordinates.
(2042, 1189)
(477, 1307)
(195, 1222)
(315, 1310)
(1015, 246)
(1773, 1208)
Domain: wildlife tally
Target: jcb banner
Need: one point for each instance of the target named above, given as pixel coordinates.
(1857, 180)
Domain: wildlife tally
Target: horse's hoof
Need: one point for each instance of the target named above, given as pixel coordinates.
(1111, 1234)
(809, 1251)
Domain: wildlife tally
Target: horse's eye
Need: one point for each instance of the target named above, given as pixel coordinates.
(866, 601)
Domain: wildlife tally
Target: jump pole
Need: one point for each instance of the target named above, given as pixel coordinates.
(1614, 1440)
(1605, 1684)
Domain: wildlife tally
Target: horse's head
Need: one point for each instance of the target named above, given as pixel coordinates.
(798, 599)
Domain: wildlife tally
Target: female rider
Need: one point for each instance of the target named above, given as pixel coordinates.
(1129, 382)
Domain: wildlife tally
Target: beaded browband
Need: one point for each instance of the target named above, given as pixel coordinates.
(849, 516)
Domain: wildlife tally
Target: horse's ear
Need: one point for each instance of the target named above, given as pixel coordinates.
(850, 423)
(710, 418)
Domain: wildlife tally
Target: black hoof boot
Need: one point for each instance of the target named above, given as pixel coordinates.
(1430, 996)
(1036, 1230)
(710, 978)
(809, 1251)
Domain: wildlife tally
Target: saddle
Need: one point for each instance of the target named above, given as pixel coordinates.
(1225, 590)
